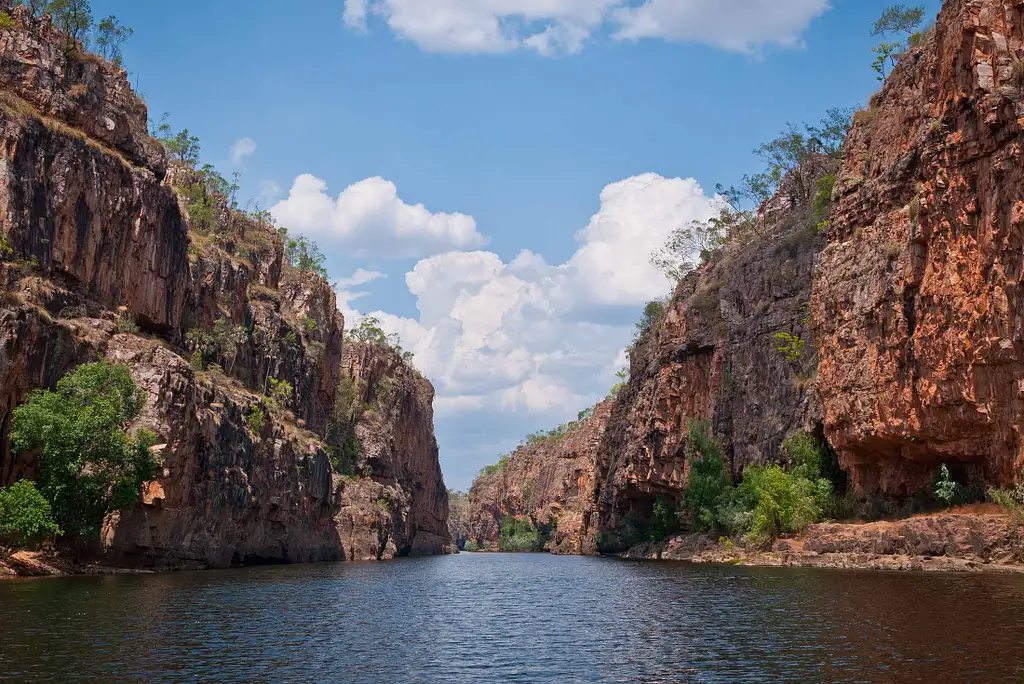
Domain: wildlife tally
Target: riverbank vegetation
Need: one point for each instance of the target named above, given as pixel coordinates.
(88, 463)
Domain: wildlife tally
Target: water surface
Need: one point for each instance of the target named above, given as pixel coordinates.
(514, 618)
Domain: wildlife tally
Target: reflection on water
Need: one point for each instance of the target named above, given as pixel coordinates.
(505, 618)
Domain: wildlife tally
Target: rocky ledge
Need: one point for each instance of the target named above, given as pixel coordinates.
(983, 539)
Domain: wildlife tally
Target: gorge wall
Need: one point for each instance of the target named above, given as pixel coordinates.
(907, 308)
(105, 259)
(714, 357)
(917, 299)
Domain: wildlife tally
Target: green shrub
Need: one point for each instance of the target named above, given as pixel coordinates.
(1012, 499)
(472, 546)
(823, 195)
(126, 324)
(519, 536)
(629, 532)
(946, 490)
(256, 419)
(6, 23)
(708, 482)
(664, 520)
(26, 517)
(88, 464)
(344, 458)
(783, 502)
(790, 346)
(280, 394)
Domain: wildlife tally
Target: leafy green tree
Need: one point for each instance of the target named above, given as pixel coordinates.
(664, 519)
(303, 254)
(687, 248)
(782, 502)
(369, 331)
(111, 34)
(88, 464)
(519, 536)
(25, 516)
(895, 19)
(708, 482)
(181, 146)
(653, 312)
(789, 345)
(73, 18)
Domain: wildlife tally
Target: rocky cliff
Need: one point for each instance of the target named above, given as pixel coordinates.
(114, 251)
(396, 436)
(917, 299)
(550, 482)
(714, 357)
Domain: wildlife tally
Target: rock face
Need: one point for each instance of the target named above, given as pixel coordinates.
(917, 299)
(410, 499)
(550, 482)
(972, 541)
(714, 357)
(105, 258)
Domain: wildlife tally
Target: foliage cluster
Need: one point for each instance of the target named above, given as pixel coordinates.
(343, 444)
(88, 464)
(302, 253)
(895, 20)
(519, 536)
(1012, 498)
(770, 500)
(220, 342)
(26, 517)
(279, 394)
(472, 546)
(255, 418)
(369, 332)
(783, 158)
(789, 345)
(497, 467)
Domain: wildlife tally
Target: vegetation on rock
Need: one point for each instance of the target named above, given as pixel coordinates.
(26, 517)
(88, 463)
(895, 19)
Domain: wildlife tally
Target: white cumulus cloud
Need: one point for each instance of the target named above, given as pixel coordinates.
(242, 149)
(554, 27)
(370, 219)
(360, 277)
(534, 337)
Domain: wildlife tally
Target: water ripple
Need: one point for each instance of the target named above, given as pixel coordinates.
(505, 618)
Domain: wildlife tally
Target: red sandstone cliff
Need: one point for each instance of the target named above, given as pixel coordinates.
(713, 357)
(107, 261)
(917, 299)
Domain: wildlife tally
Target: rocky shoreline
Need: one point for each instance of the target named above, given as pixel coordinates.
(985, 541)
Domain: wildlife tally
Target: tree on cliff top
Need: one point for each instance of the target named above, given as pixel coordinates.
(894, 19)
(73, 18)
(788, 159)
(110, 36)
(88, 464)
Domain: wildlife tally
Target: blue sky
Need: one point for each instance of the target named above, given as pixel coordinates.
(509, 144)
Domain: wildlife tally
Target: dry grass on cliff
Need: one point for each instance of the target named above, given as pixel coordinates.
(24, 111)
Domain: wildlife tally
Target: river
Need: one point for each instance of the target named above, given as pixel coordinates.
(513, 618)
